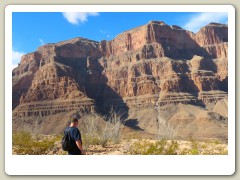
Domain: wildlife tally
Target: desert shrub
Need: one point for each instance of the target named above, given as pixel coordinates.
(31, 125)
(172, 148)
(90, 130)
(62, 152)
(101, 130)
(194, 147)
(209, 147)
(159, 147)
(216, 142)
(21, 138)
(25, 143)
(194, 152)
(112, 128)
(185, 151)
(223, 151)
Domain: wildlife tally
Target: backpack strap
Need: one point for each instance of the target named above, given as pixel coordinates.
(68, 133)
(67, 130)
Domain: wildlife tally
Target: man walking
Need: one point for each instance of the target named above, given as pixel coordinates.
(75, 138)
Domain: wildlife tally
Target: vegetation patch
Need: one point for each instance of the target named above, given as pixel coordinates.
(26, 143)
(150, 147)
(172, 147)
(101, 130)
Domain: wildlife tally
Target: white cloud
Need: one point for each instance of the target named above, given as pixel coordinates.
(41, 41)
(104, 32)
(201, 19)
(107, 33)
(16, 58)
(78, 17)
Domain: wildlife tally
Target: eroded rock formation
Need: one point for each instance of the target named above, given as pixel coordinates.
(151, 65)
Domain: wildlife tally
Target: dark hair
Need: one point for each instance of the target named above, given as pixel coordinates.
(74, 120)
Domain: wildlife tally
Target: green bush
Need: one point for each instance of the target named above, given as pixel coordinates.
(194, 152)
(160, 147)
(171, 147)
(194, 147)
(24, 143)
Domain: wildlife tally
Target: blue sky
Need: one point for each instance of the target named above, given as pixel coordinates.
(33, 29)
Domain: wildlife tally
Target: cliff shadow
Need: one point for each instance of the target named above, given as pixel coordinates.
(133, 124)
(106, 98)
(224, 84)
(185, 52)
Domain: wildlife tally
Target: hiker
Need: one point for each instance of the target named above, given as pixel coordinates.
(74, 138)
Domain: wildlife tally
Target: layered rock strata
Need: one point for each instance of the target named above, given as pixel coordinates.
(151, 65)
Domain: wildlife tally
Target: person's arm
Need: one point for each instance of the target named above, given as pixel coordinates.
(79, 145)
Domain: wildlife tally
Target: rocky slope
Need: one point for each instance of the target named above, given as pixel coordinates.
(150, 66)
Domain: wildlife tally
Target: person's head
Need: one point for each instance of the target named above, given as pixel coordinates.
(74, 122)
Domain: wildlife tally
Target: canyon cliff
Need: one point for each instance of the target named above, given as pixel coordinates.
(153, 66)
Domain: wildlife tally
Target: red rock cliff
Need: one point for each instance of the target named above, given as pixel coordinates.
(148, 65)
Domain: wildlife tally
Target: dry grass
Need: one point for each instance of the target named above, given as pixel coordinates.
(101, 130)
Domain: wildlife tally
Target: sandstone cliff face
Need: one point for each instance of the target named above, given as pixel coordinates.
(52, 73)
(50, 83)
(23, 75)
(213, 33)
(213, 38)
(154, 40)
(151, 65)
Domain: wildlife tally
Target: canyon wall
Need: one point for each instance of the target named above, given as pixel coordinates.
(149, 66)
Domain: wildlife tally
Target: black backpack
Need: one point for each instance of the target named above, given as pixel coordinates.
(66, 141)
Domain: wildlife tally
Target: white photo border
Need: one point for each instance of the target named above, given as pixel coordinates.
(120, 164)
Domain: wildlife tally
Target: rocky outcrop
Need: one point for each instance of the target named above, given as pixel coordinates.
(154, 40)
(195, 122)
(213, 33)
(47, 108)
(213, 38)
(221, 107)
(149, 66)
(23, 75)
(52, 80)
